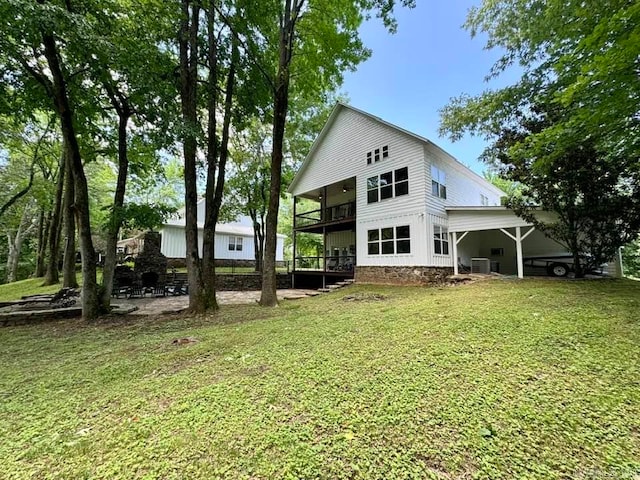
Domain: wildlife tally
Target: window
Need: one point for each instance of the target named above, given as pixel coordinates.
(484, 200)
(235, 243)
(440, 240)
(389, 241)
(401, 177)
(388, 185)
(438, 182)
(375, 155)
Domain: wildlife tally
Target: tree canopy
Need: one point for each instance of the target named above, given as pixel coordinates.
(580, 56)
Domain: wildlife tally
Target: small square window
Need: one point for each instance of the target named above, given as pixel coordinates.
(374, 248)
(373, 235)
(402, 232)
(404, 246)
(387, 248)
(385, 151)
(387, 234)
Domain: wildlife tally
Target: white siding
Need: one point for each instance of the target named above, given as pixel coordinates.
(417, 226)
(473, 220)
(342, 154)
(174, 246)
(464, 187)
(340, 240)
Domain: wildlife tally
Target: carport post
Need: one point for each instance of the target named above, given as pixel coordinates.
(519, 252)
(455, 252)
(518, 239)
(456, 241)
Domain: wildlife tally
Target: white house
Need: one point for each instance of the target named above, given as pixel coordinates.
(391, 206)
(233, 241)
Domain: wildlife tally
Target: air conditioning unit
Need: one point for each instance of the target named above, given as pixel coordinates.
(480, 265)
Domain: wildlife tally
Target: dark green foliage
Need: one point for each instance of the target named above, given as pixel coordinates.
(631, 259)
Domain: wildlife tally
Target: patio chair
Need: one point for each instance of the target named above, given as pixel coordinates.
(159, 291)
(137, 291)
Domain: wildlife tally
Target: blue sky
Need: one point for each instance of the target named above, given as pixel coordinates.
(414, 73)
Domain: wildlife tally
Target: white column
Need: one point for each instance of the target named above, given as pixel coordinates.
(519, 253)
(455, 252)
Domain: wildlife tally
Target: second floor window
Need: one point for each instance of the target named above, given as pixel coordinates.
(235, 244)
(388, 185)
(438, 182)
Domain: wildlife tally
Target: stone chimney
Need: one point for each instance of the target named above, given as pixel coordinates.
(150, 266)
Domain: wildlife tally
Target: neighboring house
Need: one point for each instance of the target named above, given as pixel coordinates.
(234, 241)
(391, 206)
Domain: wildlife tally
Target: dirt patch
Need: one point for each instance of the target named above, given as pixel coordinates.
(365, 297)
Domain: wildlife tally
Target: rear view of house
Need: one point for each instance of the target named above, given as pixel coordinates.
(387, 205)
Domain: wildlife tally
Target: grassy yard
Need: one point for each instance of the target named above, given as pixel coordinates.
(535, 379)
(31, 286)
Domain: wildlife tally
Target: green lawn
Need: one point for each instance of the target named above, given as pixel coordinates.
(31, 286)
(502, 379)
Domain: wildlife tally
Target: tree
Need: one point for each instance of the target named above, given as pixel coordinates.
(595, 201)
(248, 187)
(580, 57)
(32, 45)
(18, 224)
(322, 37)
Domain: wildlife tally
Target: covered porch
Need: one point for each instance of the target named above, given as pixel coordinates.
(324, 234)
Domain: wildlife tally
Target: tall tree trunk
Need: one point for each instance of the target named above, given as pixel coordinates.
(90, 304)
(213, 208)
(44, 220)
(52, 276)
(188, 46)
(121, 104)
(12, 257)
(69, 279)
(15, 245)
(209, 232)
(268, 297)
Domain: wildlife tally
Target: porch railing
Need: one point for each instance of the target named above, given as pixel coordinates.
(344, 211)
(326, 264)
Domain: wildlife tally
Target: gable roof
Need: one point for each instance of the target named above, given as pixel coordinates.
(331, 120)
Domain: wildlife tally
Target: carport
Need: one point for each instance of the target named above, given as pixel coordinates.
(464, 221)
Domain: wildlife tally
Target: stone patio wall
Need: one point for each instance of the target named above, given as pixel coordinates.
(250, 281)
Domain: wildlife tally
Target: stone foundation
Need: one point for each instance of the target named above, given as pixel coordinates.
(403, 275)
(250, 281)
(220, 262)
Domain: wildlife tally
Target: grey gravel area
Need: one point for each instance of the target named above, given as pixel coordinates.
(157, 306)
